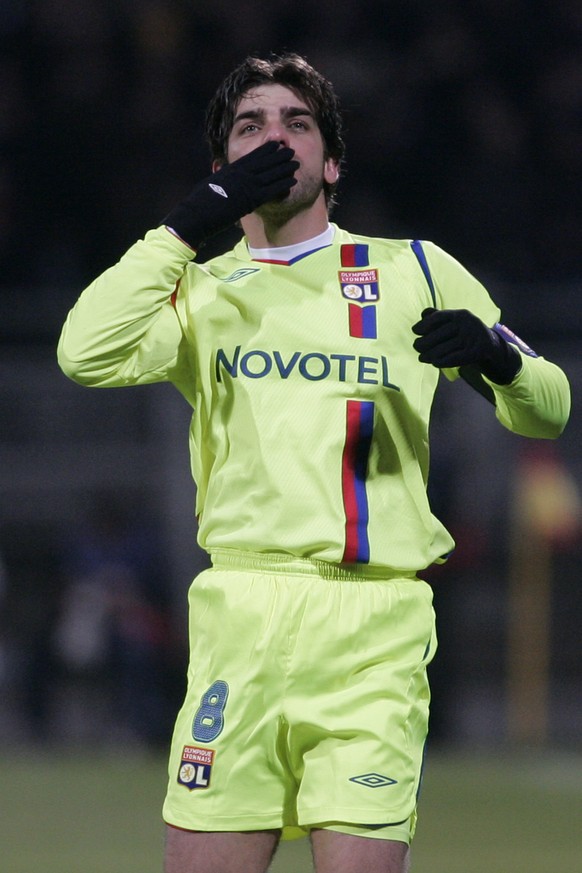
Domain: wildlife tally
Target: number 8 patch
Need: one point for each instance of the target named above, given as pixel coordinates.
(209, 718)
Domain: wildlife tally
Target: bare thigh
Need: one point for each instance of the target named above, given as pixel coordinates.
(342, 853)
(200, 852)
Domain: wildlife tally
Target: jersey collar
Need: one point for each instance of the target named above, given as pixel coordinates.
(287, 255)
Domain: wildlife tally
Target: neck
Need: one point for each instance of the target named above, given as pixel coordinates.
(263, 232)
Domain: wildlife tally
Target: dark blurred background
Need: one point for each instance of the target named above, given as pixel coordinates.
(464, 126)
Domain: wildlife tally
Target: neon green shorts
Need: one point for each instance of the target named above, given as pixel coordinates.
(307, 701)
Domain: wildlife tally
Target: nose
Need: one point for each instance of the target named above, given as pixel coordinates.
(277, 132)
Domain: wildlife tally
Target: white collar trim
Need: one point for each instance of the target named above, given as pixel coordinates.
(288, 253)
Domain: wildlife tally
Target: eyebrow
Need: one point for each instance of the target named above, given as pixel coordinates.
(286, 113)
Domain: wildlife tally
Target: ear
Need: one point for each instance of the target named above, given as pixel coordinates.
(331, 171)
(216, 165)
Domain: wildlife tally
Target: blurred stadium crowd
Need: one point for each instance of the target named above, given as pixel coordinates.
(464, 121)
(464, 125)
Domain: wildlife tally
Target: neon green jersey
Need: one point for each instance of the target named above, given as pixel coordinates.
(309, 432)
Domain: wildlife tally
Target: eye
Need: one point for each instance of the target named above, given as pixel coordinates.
(246, 128)
(297, 124)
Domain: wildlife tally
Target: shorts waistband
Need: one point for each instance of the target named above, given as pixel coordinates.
(273, 562)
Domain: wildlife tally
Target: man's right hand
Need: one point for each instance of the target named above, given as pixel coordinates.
(235, 190)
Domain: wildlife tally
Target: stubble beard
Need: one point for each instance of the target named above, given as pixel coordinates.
(300, 198)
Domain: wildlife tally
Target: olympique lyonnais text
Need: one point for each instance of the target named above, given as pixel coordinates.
(313, 366)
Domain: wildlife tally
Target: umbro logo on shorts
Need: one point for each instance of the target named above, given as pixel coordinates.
(373, 780)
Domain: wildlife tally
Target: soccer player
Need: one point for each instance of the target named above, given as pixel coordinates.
(310, 356)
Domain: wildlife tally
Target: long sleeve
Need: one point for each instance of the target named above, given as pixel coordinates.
(124, 330)
(537, 402)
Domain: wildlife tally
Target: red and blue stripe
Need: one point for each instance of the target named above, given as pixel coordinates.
(362, 321)
(354, 255)
(359, 428)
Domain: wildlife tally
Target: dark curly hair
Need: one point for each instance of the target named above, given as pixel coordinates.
(292, 71)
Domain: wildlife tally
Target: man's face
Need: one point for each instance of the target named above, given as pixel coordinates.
(274, 112)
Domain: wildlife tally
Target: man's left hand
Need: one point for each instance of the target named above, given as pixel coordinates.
(456, 337)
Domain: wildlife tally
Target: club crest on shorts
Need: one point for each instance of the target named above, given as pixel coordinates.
(360, 285)
(195, 767)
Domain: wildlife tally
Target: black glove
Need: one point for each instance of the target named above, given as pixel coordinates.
(233, 191)
(456, 337)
